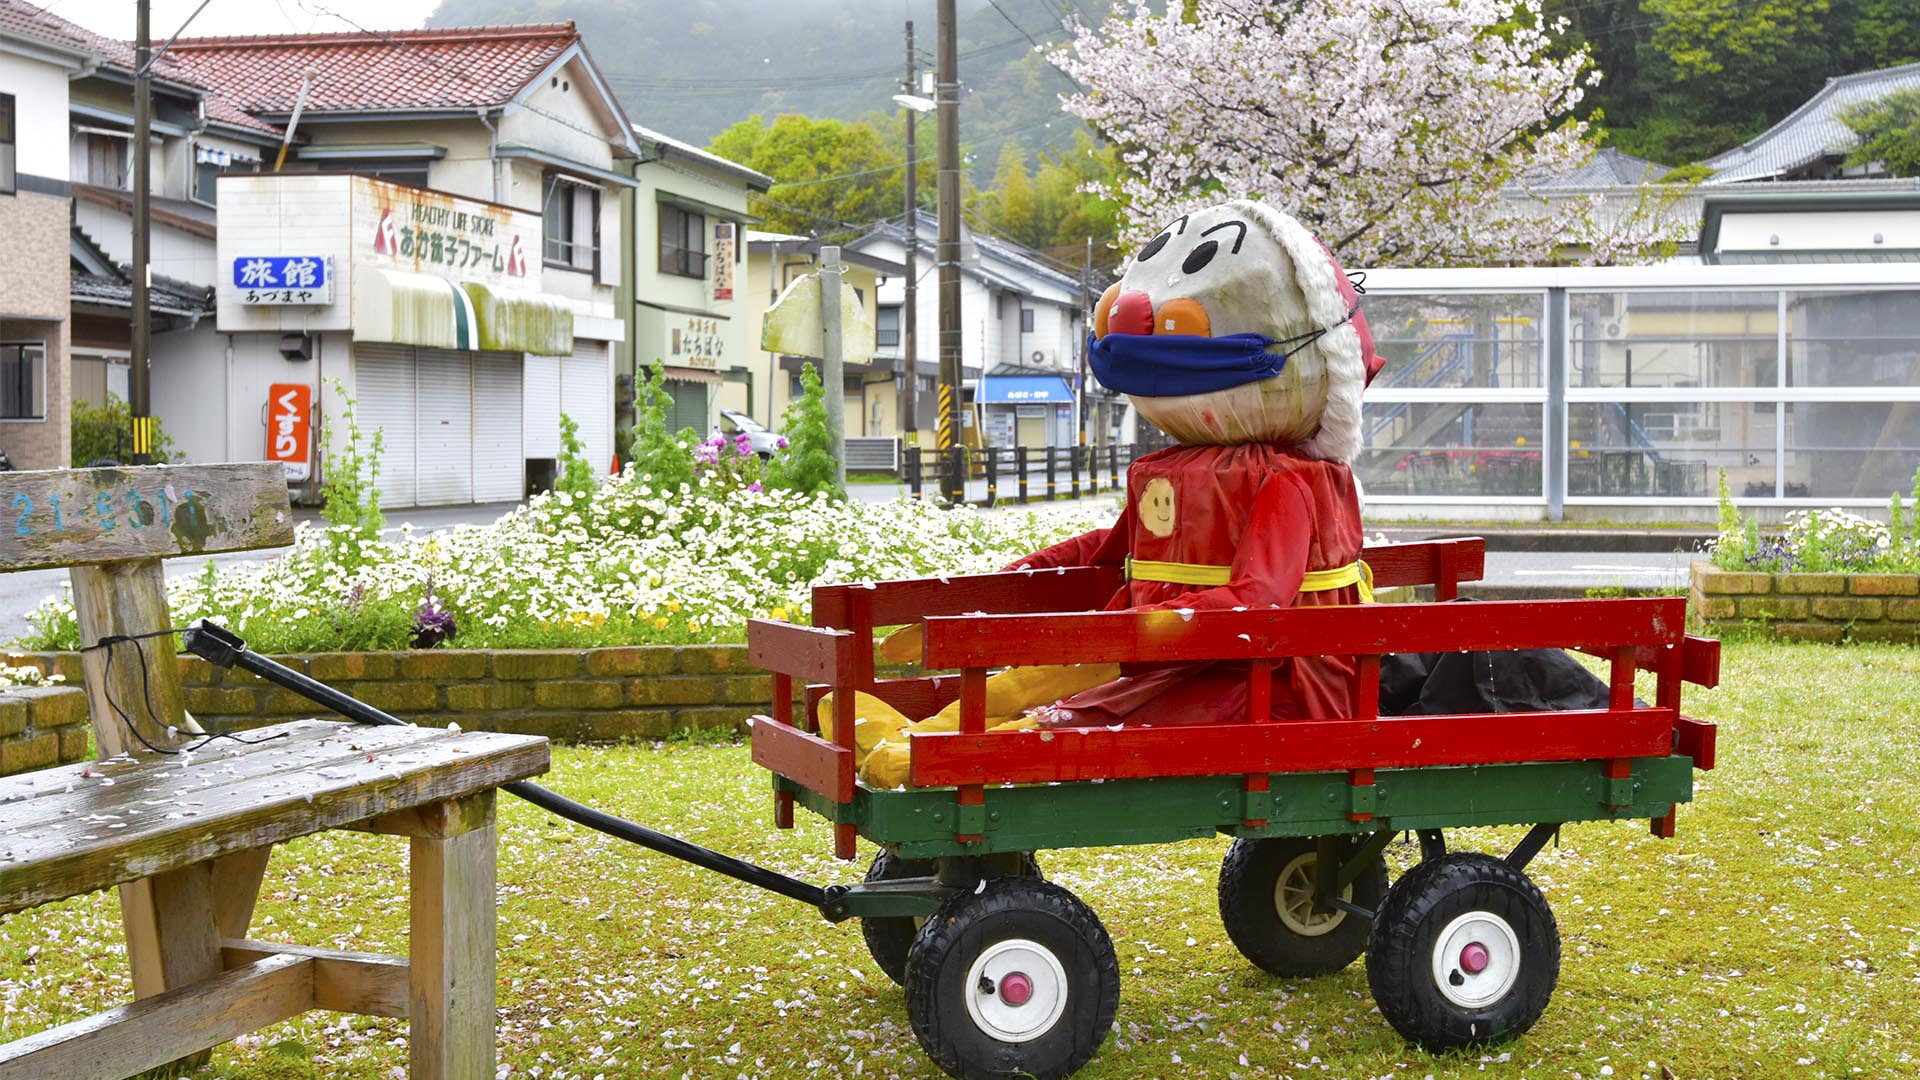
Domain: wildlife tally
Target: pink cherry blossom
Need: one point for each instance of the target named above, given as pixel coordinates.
(1391, 128)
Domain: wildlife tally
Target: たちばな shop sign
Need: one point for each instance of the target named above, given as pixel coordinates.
(283, 279)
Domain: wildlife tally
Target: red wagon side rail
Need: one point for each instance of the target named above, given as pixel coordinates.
(981, 622)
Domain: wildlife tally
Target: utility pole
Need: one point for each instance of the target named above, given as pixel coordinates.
(910, 311)
(948, 97)
(831, 368)
(1080, 347)
(141, 407)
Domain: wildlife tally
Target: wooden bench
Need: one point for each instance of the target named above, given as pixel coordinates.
(186, 837)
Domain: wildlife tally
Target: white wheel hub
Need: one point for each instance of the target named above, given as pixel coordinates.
(1016, 990)
(1293, 899)
(1476, 960)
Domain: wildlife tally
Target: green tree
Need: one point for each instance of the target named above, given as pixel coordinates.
(826, 171)
(105, 433)
(1009, 207)
(1889, 131)
(807, 464)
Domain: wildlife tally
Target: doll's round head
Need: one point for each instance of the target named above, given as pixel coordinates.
(1234, 325)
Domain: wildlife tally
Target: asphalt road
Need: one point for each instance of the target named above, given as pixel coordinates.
(20, 592)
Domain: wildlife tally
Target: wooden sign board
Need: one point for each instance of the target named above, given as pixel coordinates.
(74, 517)
(793, 325)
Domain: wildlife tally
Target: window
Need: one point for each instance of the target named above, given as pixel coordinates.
(8, 180)
(100, 157)
(571, 211)
(1026, 320)
(23, 380)
(886, 327)
(683, 242)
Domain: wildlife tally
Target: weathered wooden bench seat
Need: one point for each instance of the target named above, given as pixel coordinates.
(184, 826)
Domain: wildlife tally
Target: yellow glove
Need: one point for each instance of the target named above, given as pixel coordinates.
(886, 766)
(904, 646)
(873, 720)
(1015, 690)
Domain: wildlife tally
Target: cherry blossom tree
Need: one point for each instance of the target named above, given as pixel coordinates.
(1404, 132)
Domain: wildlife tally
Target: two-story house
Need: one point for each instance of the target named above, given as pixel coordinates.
(685, 286)
(1022, 326)
(442, 245)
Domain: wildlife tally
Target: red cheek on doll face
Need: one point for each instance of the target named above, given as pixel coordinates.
(1131, 313)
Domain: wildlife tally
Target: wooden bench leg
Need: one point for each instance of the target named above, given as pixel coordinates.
(451, 948)
(172, 939)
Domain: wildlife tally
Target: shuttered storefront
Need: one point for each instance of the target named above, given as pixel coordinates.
(689, 408)
(443, 426)
(450, 423)
(540, 395)
(384, 402)
(499, 466)
(586, 395)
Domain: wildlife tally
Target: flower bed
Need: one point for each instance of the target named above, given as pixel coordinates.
(627, 564)
(1831, 576)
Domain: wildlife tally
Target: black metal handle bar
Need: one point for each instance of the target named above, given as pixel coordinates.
(223, 648)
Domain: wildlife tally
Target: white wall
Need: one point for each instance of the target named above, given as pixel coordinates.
(287, 214)
(40, 114)
(190, 391)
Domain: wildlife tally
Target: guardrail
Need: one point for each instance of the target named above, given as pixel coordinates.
(1017, 474)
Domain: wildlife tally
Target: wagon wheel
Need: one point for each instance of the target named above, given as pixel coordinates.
(1266, 904)
(1016, 979)
(1464, 952)
(890, 937)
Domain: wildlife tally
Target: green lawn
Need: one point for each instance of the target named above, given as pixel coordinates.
(1778, 935)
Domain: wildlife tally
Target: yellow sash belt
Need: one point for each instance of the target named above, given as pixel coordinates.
(1354, 573)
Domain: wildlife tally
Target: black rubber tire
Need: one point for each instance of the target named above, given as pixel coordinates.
(1250, 911)
(1405, 934)
(962, 931)
(889, 939)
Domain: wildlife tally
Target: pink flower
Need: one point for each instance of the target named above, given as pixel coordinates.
(781, 442)
(754, 487)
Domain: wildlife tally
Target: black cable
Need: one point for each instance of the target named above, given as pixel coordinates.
(221, 648)
(146, 691)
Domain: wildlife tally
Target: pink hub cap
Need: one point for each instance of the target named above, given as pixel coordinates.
(1016, 989)
(1473, 958)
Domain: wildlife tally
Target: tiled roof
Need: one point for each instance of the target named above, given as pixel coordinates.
(166, 296)
(1609, 167)
(37, 23)
(1812, 131)
(399, 71)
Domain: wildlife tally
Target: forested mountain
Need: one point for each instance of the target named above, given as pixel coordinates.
(691, 68)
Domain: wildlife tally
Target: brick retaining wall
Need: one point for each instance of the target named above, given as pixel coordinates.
(42, 726)
(572, 695)
(1810, 607)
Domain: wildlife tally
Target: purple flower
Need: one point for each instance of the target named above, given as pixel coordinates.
(432, 624)
(781, 442)
(754, 487)
(743, 445)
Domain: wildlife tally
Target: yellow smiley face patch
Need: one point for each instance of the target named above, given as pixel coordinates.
(1156, 507)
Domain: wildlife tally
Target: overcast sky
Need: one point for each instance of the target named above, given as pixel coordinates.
(114, 18)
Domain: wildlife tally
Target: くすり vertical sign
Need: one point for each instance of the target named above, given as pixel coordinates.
(290, 428)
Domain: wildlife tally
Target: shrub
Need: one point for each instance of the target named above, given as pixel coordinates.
(808, 465)
(105, 432)
(350, 492)
(658, 455)
(574, 474)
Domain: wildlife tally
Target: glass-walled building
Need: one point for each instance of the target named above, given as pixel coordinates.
(1624, 392)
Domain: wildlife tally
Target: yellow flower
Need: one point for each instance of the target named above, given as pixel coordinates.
(779, 613)
(694, 627)
(660, 623)
(673, 606)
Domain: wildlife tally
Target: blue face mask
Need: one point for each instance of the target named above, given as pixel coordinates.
(1176, 365)
(1179, 365)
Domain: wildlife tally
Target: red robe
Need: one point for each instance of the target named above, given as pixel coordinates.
(1268, 512)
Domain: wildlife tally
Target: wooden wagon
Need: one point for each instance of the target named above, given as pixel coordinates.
(1008, 974)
